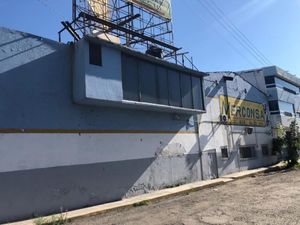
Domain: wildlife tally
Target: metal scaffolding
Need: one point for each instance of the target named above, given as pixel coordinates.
(128, 24)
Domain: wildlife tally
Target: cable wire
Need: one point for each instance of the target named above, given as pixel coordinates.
(239, 32)
(226, 27)
(233, 47)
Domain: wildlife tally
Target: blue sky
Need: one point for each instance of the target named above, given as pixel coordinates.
(273, 26)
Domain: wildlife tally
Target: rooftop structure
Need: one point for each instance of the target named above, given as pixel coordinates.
(142, 25)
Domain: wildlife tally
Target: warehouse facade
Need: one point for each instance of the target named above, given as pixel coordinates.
(95, 122)
(236, 127)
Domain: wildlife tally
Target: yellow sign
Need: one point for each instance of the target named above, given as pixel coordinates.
(160, 7)
(242, 112)
(99, 7)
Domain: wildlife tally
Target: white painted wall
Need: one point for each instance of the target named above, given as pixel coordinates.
(214, 135)
(35, 151)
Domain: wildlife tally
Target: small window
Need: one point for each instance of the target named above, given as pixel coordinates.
(224, 152)
(286, 86)
(273, 105)
(95, 53)
(289, 90)
(270, 80)
(247, 152)
(287, 108)
(265, 150)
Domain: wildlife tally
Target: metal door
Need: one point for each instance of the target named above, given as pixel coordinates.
(210, 164)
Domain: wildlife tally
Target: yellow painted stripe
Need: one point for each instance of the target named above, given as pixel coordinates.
(65, 131)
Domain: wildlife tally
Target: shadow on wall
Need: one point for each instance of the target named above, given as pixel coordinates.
(19, 48)
(36, 93)
(239, 89)
(69, 187)
(231, 164)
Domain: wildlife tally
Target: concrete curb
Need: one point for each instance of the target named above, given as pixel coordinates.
(155, 196)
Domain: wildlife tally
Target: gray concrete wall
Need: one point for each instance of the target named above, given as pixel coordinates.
(58, 154)
(102, 83)
(256, 78)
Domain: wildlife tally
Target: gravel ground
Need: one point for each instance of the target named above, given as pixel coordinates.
(273, 199)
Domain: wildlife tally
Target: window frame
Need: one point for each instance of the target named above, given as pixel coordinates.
(182, 82)
(253, 152)
(278, 109)
(277, 82)
(95, 50)
(227, 152)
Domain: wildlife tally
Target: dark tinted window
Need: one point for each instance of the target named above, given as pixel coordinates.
(224, 152)
(186, 87)
(174, 88)
(270, 80)
(130, 78)
(286, 86)
(162, 83)
(148, 82)
(286, 107)
(273, 105)
(197, 93)
(95, 54)
(247, 152)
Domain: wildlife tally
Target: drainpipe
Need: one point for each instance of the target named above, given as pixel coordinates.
(198, 142)
(227, 108)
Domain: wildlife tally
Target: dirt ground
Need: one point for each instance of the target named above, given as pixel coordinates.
(273, 199)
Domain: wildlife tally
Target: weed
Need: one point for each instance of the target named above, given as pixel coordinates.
(142, 203)
(60, 219)
(297, 166)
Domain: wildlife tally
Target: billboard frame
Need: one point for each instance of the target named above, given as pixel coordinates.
(166, 14)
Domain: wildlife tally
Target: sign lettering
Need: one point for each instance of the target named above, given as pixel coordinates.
(243, 112)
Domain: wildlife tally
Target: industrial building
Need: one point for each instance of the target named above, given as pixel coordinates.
(76, 134)
(80, 134)
(282, 90)
(95, 121)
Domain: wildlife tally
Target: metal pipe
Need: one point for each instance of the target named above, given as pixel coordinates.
(195, 117)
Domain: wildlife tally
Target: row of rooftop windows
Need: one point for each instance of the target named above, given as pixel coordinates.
(147, 82)
(143, 81)
(283, 108)
(272, 81)
(246, 152)
(152, 83)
